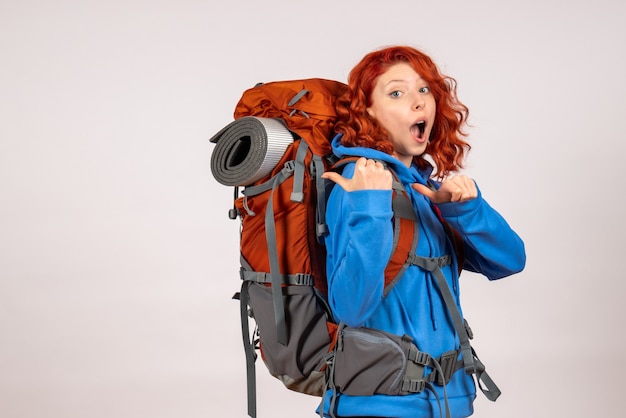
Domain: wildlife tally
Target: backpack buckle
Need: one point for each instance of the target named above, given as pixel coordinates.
(419, 357)
(442, 261)
(448, 362)
(289, 167)
(468, 329)
(413, 386)
(303, 279)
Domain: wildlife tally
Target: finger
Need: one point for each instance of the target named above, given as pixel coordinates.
(361, 162)
(472, 190)
(372, 164)
(464, 190)
(424, 190)
(456, 194)
(336, 178)
(360, 167)
(441, 195)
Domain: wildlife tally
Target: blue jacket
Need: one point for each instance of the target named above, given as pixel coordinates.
(359, 245)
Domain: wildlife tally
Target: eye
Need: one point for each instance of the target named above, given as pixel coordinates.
(395, 94)
(424, 89)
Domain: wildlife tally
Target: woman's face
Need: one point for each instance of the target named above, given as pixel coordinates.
(403, 104)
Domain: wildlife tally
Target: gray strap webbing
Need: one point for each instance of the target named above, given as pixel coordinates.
(298, 279)
(321, 229)
(297, 194)
(402, 206)
(491, 390)
(445, 399)
(288, 170)
(270, 232)
(277, 293)
(295, 99)
(281, 176)
(248, 345)
(471, 363)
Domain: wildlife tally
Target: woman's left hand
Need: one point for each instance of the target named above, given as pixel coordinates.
(453, 189)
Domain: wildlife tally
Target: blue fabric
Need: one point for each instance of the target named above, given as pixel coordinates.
(359, 245)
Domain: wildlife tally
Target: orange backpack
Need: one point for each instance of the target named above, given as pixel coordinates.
(277, 148)
(282, 214)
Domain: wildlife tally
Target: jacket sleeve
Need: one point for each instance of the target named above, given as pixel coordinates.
(358, 248)
(492, 248)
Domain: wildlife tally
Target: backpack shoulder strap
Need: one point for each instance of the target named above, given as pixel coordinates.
(405, 228)
(405, 235)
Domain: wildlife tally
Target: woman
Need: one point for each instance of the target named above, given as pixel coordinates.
(398, 111)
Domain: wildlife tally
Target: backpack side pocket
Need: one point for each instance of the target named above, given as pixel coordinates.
(300, 363)
(369, 361)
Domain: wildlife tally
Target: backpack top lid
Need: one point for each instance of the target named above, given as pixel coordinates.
(306, 106)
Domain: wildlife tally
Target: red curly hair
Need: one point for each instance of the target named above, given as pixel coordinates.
(447, 148)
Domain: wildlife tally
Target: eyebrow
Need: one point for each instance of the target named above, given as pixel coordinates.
(419, 81)
(396, 81)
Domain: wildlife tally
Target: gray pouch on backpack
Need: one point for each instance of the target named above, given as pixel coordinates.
(300, 364)
(369, 361)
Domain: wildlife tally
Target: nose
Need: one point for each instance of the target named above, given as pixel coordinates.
(419, 102)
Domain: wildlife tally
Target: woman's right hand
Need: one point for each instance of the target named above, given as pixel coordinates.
(368, 175)
(453, 189)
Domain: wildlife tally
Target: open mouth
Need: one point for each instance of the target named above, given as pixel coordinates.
(418, 129)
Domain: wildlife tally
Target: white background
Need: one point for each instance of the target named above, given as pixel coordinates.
(118, 261)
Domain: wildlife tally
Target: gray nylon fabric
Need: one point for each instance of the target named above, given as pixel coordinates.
(368, 361)
(308, 342)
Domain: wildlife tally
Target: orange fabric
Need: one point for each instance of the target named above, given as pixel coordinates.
(402, 252)
(271, 100)
(298, 251)
(312, 118)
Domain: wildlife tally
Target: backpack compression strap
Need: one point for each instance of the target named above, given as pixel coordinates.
(249, 346)
(292, 168)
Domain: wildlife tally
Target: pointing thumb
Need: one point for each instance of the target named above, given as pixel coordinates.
(435, 196)
(425, 190)
(337, 178)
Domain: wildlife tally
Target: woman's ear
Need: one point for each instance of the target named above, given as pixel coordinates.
(370, 112)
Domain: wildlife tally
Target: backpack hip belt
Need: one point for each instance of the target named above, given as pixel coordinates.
(367, 361)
